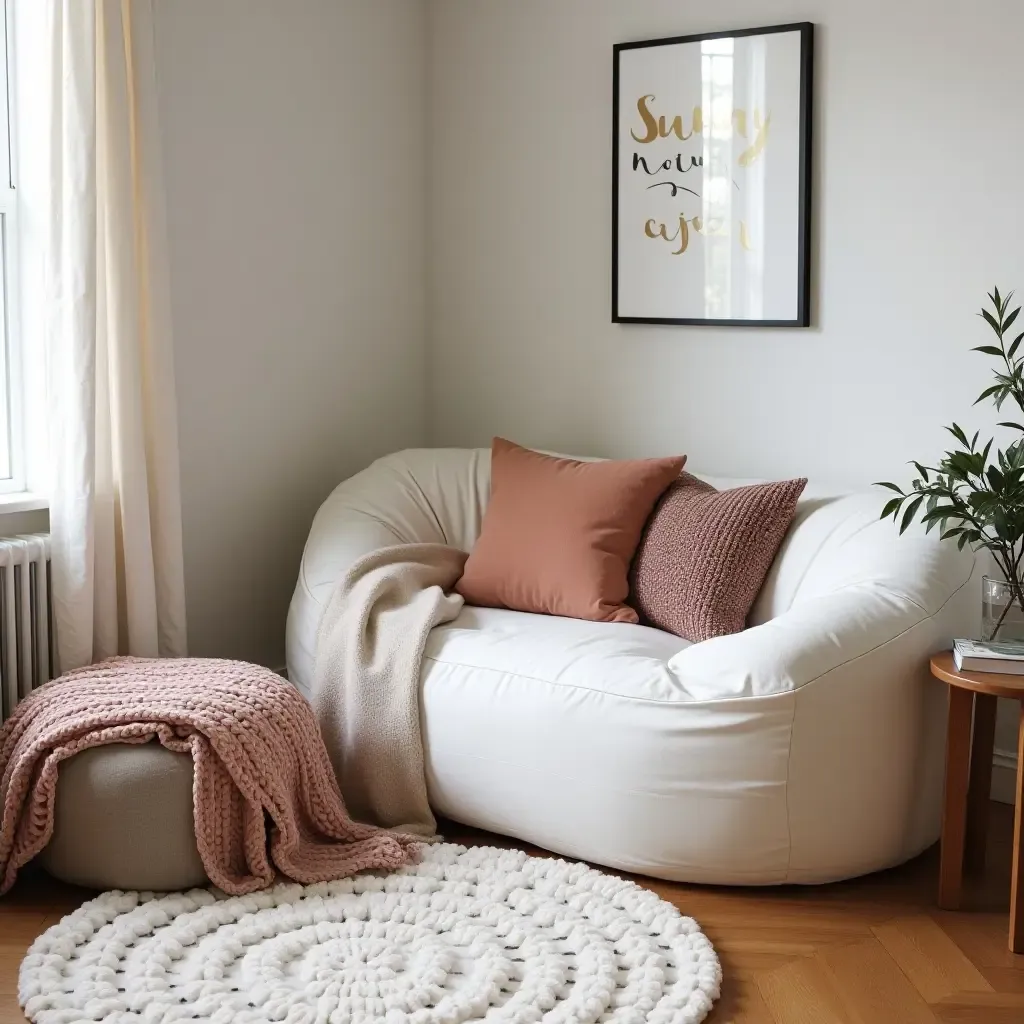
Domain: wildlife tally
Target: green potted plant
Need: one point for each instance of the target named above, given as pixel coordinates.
(975, 495)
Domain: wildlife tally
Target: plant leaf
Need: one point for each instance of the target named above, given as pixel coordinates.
(989, 350)
(1016, 344)
(891, 507)
(908, 516)
(943, 512)
(958, 434)
(892, 487)
(1009, 320)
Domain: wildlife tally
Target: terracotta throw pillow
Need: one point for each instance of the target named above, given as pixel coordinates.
(705, 554)
(558, 535)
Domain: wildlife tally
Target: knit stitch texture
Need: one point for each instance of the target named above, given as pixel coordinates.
(366, 685)
(260, 767)
(705, 554)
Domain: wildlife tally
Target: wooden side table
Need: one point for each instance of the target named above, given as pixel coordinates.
(969, 742)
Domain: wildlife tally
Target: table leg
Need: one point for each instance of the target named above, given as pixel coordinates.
(954, 813)
(979, 791)
(1017, 879)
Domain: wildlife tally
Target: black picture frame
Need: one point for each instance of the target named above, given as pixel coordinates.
(803, 282)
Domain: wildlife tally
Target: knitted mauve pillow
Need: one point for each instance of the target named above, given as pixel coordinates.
(705, 554)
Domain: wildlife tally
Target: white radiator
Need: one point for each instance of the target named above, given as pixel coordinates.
(26, 625)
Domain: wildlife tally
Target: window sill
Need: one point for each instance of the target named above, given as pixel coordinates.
(22, 501)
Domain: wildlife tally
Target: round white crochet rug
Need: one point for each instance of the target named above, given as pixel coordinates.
(465, 935)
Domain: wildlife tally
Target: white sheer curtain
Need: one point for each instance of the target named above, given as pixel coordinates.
(115, 511)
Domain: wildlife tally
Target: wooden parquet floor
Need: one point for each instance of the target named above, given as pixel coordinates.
(871, 951)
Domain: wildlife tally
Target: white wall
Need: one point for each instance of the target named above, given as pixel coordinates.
(293, 138)
(918, 213)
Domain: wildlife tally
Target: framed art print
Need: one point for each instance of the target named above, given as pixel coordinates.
(711, 179)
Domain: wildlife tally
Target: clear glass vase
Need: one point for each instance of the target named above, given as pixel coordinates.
(1002, 617)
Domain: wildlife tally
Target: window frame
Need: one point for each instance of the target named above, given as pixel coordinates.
(10, 336)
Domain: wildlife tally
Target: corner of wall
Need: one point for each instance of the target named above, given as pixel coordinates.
(429, 283)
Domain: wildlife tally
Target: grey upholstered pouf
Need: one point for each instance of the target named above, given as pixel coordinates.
(123, 820)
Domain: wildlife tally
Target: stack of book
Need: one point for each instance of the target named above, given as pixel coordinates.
(1005, 656)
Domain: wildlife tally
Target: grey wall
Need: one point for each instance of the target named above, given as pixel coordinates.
(293, 137)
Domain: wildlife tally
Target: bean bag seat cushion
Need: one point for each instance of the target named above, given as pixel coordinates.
(809, 747)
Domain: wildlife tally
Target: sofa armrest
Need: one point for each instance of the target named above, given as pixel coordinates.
(803, 644)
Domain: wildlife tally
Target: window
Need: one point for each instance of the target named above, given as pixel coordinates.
(24, 205)
(12, 473)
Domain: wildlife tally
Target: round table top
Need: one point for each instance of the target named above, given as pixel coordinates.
(999, 684)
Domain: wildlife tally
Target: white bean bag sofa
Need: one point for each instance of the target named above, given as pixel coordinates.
(807, 748)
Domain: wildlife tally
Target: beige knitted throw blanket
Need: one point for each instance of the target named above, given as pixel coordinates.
(366, 680)
(264, 793)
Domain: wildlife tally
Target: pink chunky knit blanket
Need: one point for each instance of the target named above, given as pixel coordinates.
(260, 765)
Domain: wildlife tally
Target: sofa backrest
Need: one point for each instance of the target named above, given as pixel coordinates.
(836, 541)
